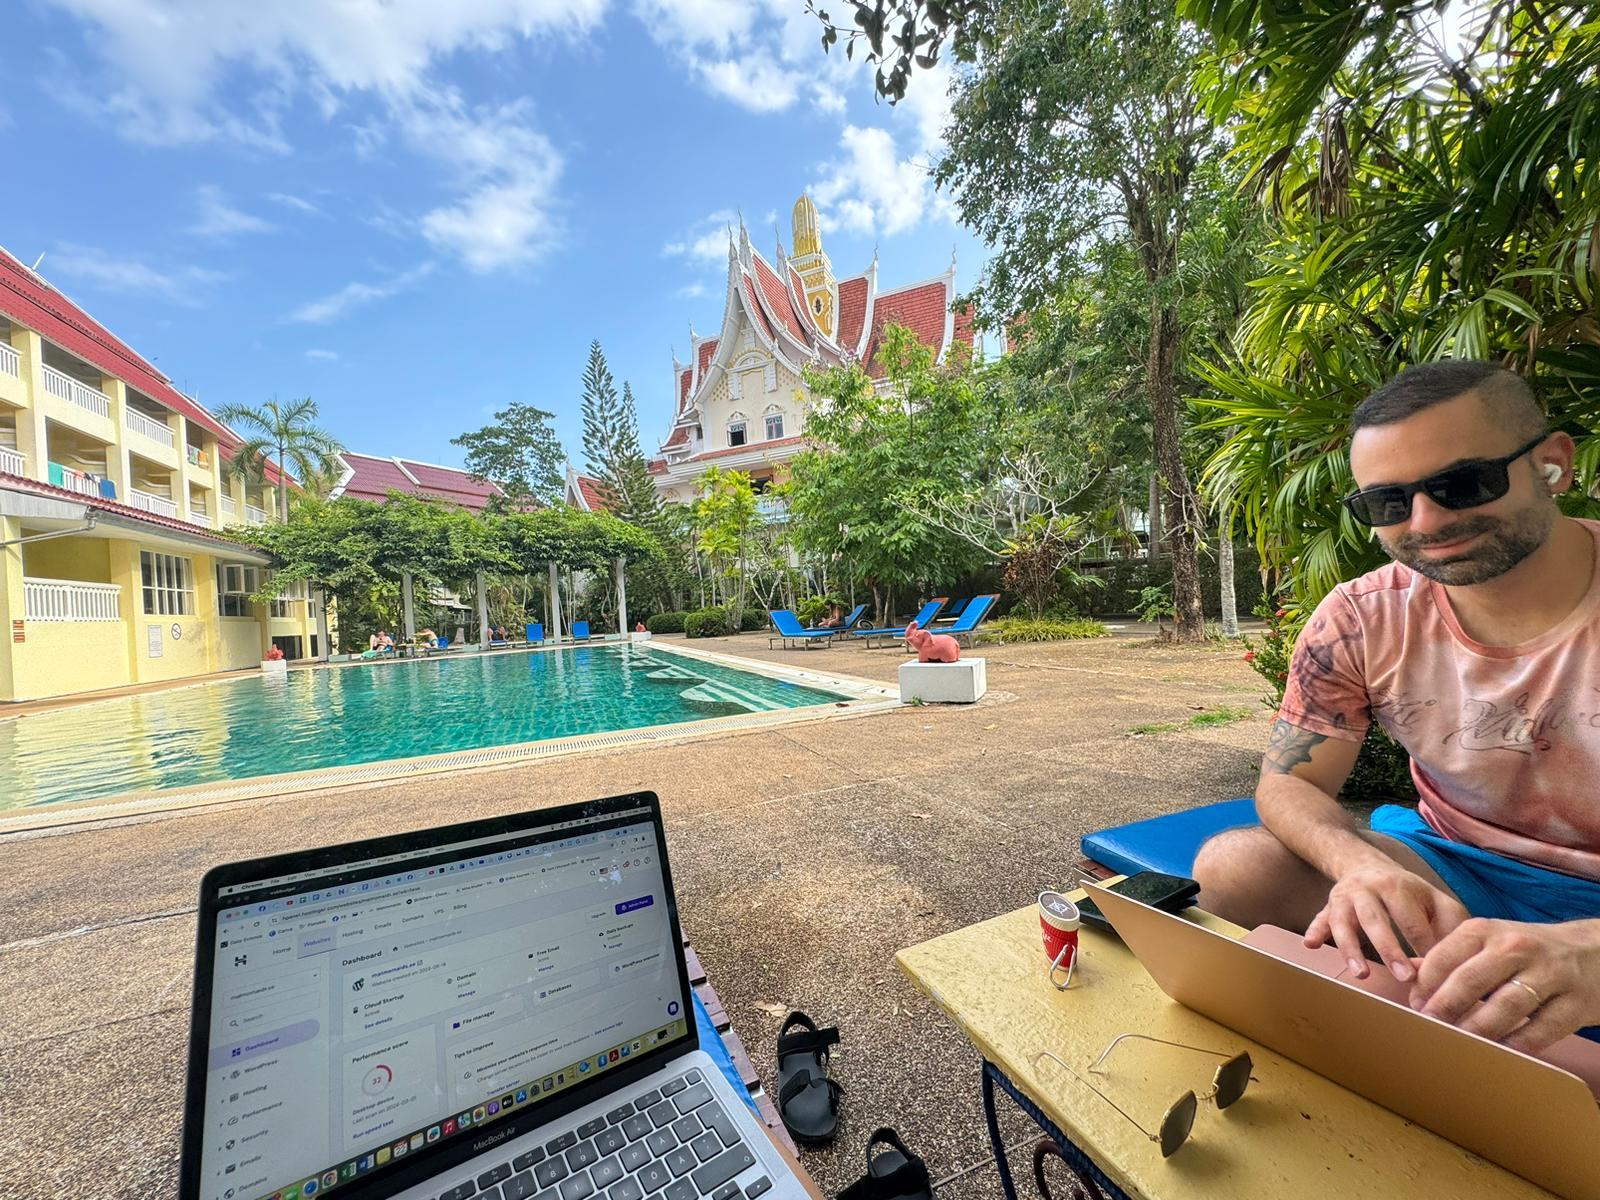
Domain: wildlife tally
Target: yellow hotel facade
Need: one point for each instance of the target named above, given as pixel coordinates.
(114, 487)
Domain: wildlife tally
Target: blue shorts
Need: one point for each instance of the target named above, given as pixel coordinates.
(1492, 885)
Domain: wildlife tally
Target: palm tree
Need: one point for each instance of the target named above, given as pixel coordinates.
(287, 433)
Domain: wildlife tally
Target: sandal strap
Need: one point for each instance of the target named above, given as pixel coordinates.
(801, 1080)
(910, 1178)
(812, 1041)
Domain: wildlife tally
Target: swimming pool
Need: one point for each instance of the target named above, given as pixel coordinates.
(244, 728)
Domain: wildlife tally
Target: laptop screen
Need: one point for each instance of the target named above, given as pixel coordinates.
(379, 1008)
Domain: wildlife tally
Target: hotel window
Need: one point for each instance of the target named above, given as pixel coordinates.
(774, 426)
(235, 582)
(736, 434)
(168, 585)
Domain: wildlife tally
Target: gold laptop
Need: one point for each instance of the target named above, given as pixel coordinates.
(1529, 1117)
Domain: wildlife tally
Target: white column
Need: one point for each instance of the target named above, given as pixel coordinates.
(622, 598)
(411, 616)
(483, 611)
(554, 632)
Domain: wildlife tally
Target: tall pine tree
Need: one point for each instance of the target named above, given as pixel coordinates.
(603, 425)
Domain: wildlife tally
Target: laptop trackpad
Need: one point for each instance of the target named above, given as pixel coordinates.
(1575, 1054)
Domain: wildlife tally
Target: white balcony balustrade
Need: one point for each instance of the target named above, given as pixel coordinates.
(64, 387)
(69, 600)
(254, 515)
(156, 431)
(159, 505)
(12, 462)
(229, 508)
(10, 364)
(74, 480)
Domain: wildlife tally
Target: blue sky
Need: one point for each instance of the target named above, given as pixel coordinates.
(419, 211)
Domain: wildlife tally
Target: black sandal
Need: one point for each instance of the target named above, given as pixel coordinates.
(895, 1174)
(808, 1101)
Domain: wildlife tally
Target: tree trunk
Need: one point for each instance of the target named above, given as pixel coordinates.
(1189, 622)
(283, 489)
(1230, 603)
(1155, 517)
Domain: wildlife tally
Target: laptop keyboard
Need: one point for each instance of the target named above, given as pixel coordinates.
(671, 1143)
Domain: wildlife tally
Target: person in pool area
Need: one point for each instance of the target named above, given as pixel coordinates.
(1478, 650)
(428, 639)
(834, 619)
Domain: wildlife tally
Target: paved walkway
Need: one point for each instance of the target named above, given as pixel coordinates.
(804, 857)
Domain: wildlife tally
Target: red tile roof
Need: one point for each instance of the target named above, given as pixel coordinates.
(680, 435)
(707, 349)
(772, 445)
(920, 309)
(658, 466)
(779, 303)
(755, 308)
(594, 495)
(685, 378)
(374, 478)
(21, 483)
(28, 300)
(852, 311)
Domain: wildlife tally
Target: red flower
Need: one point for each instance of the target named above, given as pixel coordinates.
(1281, 675)
(1249, 656)
(1282, 612)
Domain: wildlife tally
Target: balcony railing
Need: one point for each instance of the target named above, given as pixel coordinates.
(64, 387)
(254, 515)
(152, 504)
(68, 600)
(199, 510)
(12, 462)
(229, 508)
(198, 457)
(149, 427)
(74, 480)
(10, 364)
(770, 508)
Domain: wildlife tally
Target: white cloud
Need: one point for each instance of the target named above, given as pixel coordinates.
(289, 51)
(323, 355)
(753, 81)
(692, 291)
(219, 219)
(129, 276)
(357, 295)
(298, 203)
(706, 241)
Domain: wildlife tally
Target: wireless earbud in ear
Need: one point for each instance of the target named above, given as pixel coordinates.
(1551, 473)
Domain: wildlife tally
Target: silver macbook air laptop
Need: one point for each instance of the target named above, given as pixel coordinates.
(488, 1011)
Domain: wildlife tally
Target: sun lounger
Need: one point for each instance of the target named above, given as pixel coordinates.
(955, 610)
(791, 631)
(535, 632)
(894, 633)
(580, 631)
(975, 612)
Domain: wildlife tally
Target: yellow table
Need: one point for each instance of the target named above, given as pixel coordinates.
(1293, 1135)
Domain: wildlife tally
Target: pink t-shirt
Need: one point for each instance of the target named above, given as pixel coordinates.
(1504, 740)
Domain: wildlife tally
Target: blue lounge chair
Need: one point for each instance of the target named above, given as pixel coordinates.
(854, 619)
(580, 631)
(955, 610)
(895, 632)
(791, 631)
(534, 631)
(974, 613)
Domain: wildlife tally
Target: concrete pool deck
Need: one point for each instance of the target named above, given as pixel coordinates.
(804, 857)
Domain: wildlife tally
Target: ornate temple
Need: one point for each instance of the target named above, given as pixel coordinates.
(741, 398)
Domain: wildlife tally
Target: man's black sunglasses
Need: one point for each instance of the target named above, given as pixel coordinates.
(1465, 485)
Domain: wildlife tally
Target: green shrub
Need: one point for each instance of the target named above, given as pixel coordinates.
(666, 622)
(812, 609)
(708, 622)
(1126, 578)
(1029, 629)
(755, 619)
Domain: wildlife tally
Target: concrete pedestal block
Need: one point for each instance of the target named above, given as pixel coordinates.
(944, 683)
(275, 666)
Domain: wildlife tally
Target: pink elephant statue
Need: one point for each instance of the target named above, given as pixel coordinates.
(933, 647)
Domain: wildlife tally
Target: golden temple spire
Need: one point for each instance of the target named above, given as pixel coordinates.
(807, 235)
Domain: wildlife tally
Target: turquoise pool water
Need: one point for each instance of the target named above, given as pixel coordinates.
(243, 728)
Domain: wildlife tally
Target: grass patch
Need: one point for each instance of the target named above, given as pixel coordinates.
(1206, 717)
(1027, 629)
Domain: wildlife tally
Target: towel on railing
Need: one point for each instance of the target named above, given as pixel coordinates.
(108, 489)
(58, 475)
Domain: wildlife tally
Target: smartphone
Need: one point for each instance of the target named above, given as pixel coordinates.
(1170, 893)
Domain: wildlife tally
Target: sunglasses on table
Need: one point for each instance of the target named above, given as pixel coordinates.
(1465, 485)
(1227, 1085)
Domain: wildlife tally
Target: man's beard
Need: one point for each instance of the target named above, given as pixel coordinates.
(1505, 543)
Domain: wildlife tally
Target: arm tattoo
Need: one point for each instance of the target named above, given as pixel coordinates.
(1289, 747)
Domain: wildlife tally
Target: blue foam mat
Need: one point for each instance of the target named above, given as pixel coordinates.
(1167, 844)
(711, 1043)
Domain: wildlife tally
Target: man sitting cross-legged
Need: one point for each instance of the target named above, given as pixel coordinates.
(1478, 649)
